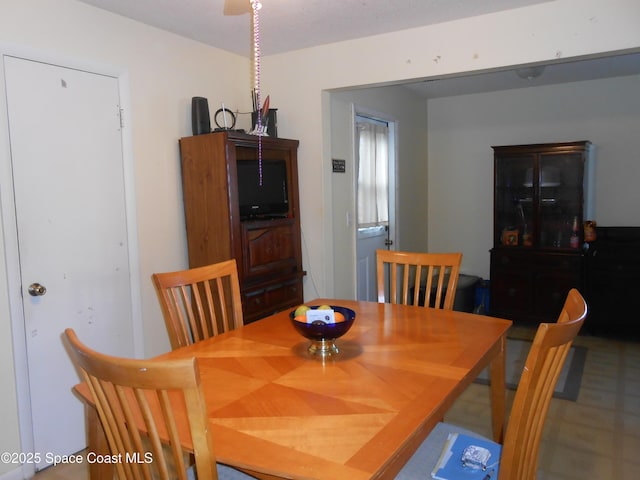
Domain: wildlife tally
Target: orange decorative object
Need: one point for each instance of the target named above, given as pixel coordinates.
(510, 236)
(589, 231)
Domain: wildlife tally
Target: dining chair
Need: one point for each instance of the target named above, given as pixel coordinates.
(425, 279)
(200, 302)
(141, 405)
(520, 449)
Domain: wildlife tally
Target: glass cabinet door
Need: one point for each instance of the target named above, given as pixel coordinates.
(538, 200)
(560, 187)
(515, 200)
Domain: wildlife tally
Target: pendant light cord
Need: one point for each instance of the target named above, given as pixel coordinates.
(256, 6)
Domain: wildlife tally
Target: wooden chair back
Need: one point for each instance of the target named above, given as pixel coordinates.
(200, 302)
(134, 396)
(409, 278)
(549, 350)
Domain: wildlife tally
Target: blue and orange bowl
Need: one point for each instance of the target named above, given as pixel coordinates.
(320, 331)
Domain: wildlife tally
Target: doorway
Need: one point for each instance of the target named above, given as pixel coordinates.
(69, 240)
(375, 197)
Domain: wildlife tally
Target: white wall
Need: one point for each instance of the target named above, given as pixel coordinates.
(164, 72)
(296, 82)
(409, 113)
(462, 130)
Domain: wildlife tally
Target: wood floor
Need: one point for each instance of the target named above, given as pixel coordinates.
(597, 436)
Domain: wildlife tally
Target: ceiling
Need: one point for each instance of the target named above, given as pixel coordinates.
(287, 25)
(552, 73)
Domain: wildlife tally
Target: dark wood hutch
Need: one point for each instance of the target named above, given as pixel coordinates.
(267, 248)
(542, 196)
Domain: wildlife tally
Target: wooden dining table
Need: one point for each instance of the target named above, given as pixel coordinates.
(279, 412)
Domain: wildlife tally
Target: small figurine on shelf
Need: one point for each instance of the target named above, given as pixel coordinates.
(574, 241)
(510, 236)
(589, 231)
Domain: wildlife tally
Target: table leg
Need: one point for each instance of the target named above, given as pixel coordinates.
(98, 445)
(498, 391)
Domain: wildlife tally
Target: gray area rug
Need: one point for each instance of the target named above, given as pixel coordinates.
(568, 386)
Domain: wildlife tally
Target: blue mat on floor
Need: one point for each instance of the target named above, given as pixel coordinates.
(568, 386)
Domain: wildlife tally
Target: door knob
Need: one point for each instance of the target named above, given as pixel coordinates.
(37, 290)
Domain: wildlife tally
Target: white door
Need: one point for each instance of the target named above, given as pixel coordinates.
(368, 241)
(377, 236)
(66, 156)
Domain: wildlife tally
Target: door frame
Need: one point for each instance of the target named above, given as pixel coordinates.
(11, 251)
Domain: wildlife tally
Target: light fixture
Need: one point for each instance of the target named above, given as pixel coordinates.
(529, 73)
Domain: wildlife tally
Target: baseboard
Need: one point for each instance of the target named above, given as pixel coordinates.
(16, 474)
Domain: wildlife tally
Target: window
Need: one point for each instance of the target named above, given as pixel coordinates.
(373, 172)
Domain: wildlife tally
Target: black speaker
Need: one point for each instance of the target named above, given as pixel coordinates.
(200, 120)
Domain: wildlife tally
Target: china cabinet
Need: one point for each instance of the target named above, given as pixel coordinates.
(542, 197)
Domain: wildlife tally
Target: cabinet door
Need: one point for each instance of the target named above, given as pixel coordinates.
(561, 200)
(263, 301)
(514, 200)
(551, 288)
(268, 249)
(528, 285)
(209, 216)
(511, 284)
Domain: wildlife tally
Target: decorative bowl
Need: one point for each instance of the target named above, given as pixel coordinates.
(322, 334)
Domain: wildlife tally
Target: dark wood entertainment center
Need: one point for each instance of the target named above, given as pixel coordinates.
(267, 248)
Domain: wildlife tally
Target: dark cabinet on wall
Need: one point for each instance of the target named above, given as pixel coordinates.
(613, 278)
(244, 205)
(542, 196)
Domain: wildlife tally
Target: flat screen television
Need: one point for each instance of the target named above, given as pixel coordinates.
(270, 199)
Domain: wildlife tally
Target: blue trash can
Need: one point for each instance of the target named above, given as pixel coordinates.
(482, 298)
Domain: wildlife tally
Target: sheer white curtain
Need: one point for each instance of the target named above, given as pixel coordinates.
(373, 174)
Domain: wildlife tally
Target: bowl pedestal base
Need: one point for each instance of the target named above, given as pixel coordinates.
(323, 348)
